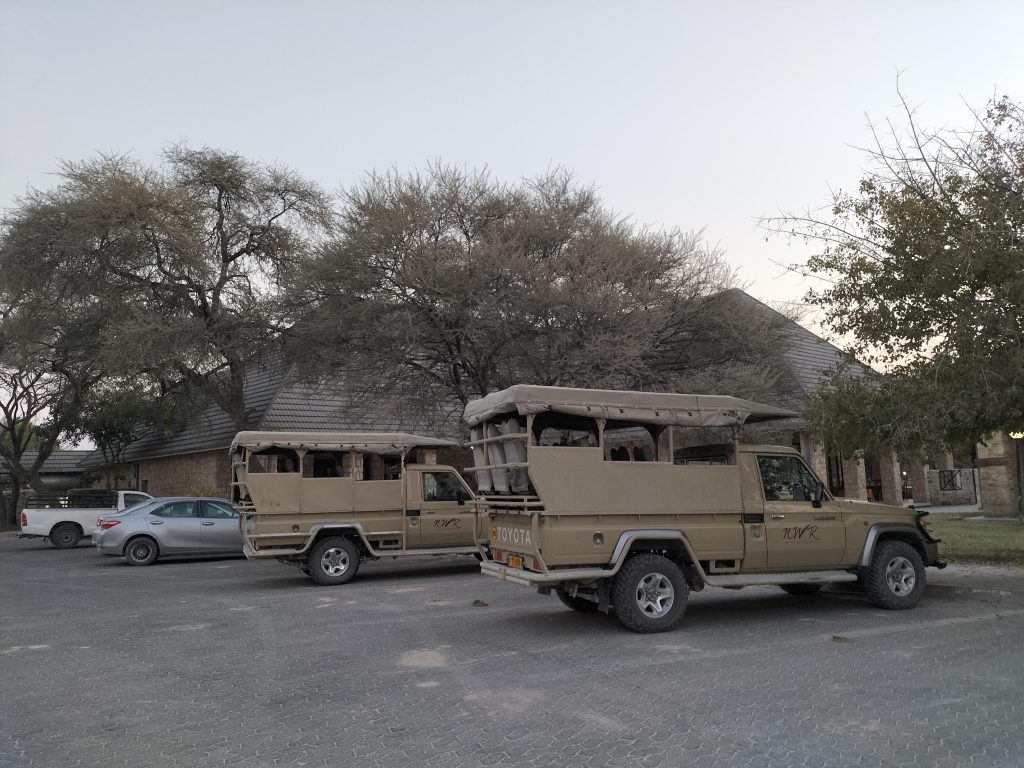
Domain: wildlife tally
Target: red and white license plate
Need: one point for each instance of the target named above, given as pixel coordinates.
(514, 561)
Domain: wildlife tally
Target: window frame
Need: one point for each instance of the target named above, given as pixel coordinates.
(212, 504)
(801, 463)
(194, 516)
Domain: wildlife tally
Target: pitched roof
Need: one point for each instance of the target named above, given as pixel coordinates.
(213, 429)
(810, 357)
(278, 402)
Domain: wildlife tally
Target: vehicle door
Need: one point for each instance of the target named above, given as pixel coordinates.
(175, 525)
(446, 520)
(799, 535)
(219, 522)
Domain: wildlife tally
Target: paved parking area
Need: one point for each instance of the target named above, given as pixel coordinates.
(230, 662)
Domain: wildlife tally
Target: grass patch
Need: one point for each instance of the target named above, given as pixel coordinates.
(967, 542)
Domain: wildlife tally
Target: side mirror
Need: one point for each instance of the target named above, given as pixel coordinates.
(819, 494)
(460, 497)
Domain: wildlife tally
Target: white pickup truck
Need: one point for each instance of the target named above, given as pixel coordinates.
(65, 519)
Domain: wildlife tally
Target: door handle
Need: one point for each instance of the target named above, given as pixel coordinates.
(207, 523)
(156, 522)
(778, 517)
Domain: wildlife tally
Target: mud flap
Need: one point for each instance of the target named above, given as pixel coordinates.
(604, 596)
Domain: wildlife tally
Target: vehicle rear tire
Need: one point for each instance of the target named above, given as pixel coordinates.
(65, 536)
(895, 580)
(649, 594)
(580, 604)
(801, 589)
(141, 550)
(333, 560)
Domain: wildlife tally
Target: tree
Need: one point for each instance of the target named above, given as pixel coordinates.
(48, 365)
(185, 260)
(119, 411)
(922, 268)
(446, 285)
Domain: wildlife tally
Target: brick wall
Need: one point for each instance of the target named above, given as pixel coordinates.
(196, 474)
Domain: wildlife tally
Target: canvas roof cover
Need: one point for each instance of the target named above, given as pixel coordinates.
(647, 407)
(369, 442)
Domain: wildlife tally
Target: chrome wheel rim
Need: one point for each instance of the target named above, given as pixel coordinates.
(334, 561)
(655, 595)
(900, 576)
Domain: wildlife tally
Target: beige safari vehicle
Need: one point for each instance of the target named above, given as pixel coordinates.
(603, 498)
(326, 501)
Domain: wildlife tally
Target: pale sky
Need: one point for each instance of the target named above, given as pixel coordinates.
(696, 115)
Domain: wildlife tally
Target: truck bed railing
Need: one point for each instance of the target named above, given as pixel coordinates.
(510, 465)
(496, 439)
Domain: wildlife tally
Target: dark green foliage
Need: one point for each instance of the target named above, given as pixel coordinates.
(924, 270)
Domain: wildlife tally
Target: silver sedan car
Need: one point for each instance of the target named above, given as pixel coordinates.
(184, 525)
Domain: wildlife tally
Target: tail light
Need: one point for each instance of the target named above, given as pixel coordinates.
(107, 524)
(24, 519)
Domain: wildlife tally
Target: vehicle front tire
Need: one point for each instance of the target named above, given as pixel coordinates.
(649, 594)
(65, 536)
(801, 589)
(580, 604)
(141, 550)
(333, 560)
(895, 579)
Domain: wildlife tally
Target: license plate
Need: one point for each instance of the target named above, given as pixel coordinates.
(514, 561)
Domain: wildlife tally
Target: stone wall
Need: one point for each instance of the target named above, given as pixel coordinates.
(967, 494)
(196, 474)
(997, 462)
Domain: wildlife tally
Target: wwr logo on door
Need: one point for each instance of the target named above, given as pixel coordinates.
(804, 533)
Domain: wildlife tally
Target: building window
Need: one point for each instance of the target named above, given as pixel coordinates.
(950, 480)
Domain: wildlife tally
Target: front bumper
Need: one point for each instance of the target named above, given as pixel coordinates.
(931, 549)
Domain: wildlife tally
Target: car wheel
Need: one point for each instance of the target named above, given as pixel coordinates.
(333, 561)
(895, 579)
(649, 594)
(580, 604)
(65, 536)
(801, 589)
(141, 551)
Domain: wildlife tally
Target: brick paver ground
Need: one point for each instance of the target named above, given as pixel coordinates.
(230, 662)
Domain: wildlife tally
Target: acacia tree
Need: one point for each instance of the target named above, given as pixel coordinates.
(444, 285)
(184, 259)
(922, 268)
(48, 365)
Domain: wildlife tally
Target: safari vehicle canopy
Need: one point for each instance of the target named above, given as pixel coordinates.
(357, 494)
(508, 428)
